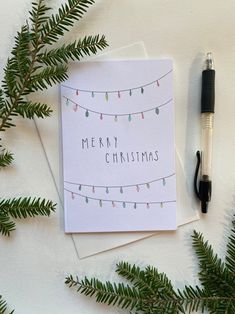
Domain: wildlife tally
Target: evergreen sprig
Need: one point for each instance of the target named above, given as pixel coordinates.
(22, 208)
(59, 23)
(74, 51)
(35, 64)
(230, 256)
(30, 110)
(152, 292)
(5, 159)
(3, 306)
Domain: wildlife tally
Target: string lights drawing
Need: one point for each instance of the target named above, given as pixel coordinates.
(129, 115)
(119, 92)
(115, 203)
(137, 186)
(121, 190)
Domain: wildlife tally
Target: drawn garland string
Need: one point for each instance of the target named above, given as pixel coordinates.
(118, 91)
(120, 187)
(115, 202)
(115, 115)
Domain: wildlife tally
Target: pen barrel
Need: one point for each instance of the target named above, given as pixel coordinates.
(207, 120)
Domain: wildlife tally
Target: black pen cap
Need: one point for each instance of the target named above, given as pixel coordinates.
(208, 91)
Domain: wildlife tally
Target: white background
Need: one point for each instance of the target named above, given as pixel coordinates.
(36, 258)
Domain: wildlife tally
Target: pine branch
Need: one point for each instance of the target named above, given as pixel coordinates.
(30, 110)
(136, 276)
(3, 306)
(230, 256)
(26, 207)
(6, 225)
(213, 274)
(48, 77)
(152, 292)
(159, 282)
(38, 18)
(6, 115)
(151, 283)
(65, 18)
(124, 297)
(10, 84)
(21, 53)
(28, 70)
(112, 294)
(190, 299)
(32, 67)
(6, 159)
(22, 208)
(74, 51)
(195, 299)
(18, 65)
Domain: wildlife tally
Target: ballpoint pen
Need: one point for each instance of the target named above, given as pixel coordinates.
(207, 116)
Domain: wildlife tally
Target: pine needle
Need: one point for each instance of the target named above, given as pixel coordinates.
(3, 306)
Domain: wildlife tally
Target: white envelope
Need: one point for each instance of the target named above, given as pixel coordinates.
(49, 131)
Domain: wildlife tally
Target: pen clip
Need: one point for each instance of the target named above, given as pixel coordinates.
(198, 154)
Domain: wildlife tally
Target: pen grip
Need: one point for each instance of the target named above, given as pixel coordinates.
(207, 134)
(208, 91)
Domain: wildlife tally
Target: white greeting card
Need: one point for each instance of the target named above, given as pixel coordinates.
(118, 147)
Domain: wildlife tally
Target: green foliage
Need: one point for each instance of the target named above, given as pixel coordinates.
(6, 159)
(152, 292)
(22, 208)
(3, 306)
(230, 257)
(112, 294)
(48, 76)
(34, 65)
(6, 225)
(30, 110)
(58, 23)
(74, 51)
(213, 274)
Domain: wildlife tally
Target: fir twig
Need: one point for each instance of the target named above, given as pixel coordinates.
(26, 207)
(112, 294)
(152, 292)
(213, 273)
(6, 225)
(74, 51)
(230, 256)
(22, 208)
(3, 306)
(30, 110)
(63, 20)
(34, 65)
(6, 159)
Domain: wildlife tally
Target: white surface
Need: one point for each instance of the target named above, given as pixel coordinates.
(38, 256)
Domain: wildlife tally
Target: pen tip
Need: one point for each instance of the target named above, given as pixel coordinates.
(204, 207)
(209, 61)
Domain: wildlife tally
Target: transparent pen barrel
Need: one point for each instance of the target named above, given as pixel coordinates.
(207, 120)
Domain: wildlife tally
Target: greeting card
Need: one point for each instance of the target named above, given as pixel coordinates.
(118, 147)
